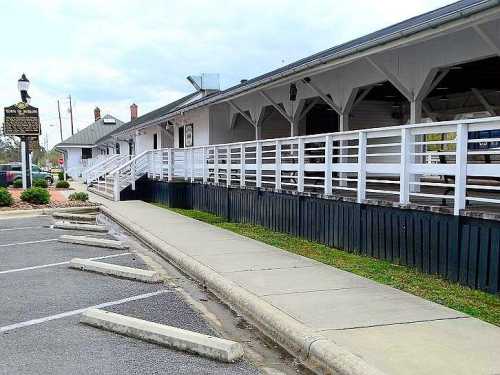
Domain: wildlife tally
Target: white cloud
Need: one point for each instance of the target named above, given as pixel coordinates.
(111, 53)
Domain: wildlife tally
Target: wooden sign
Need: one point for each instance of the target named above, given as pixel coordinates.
(21, 120)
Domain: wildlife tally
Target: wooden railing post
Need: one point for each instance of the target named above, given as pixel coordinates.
(204, 167)
(116, 187)
(300, 171)
(228, 166)
(216, 166)
(242, 165)
(461, 168)
(361, 167)
(258, 166)
(170, 166)
(185, 164)
(277, 176)
(161, 164)
(132, 174)
(328, 165)
(404, 176)
(191, 164)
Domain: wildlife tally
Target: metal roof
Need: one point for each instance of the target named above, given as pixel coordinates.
(402, 29)
(150, 116)
(90, 135)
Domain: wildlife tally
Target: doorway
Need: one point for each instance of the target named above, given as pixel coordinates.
(181, 137)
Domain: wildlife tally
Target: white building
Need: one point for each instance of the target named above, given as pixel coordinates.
(86, 147)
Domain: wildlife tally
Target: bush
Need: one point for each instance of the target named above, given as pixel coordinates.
(81, 196)
(41, 183)
(62, 184)
(36, 195)
(5, 197)
(60, 176)
(18, 183)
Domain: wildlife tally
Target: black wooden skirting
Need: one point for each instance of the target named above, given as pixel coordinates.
(457, 248)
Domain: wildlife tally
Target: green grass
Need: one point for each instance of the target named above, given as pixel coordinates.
(476, 303)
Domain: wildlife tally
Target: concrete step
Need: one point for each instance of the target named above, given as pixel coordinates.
(123, 272)
(101, 193)
(172, 337)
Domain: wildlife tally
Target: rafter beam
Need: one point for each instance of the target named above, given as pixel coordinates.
(391, 78)
(242, 113)
(486, 38)
(484, 102)
(323, 96)
(428, 87)
(363, 95)
(276, 106)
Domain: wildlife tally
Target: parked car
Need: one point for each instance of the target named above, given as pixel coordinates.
(14, 172)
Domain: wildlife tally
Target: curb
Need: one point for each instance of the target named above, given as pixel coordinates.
(207, 346)
(319, 354)
(82, 227)
(109, 269)
(91, 241)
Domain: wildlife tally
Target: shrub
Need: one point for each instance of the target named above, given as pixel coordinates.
(60, 176)
(36, 195)
(62, 184)
(5, 197)
(80, 196)
(41, 183)
(18, 183)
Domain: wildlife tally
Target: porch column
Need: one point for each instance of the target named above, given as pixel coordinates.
(416, 118)
(343, 126)
(258, 132)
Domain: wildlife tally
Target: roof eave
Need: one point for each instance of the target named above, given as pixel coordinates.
(434, 26)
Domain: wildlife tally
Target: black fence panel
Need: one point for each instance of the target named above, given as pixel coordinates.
(461, 249)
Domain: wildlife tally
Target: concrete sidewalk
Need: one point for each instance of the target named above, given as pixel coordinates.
(393, 331)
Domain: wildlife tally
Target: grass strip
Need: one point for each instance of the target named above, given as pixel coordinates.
(476, 303)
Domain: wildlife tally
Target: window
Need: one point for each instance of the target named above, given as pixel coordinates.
(117, 148)
(86, 153)
(155, 141)
(35, 168)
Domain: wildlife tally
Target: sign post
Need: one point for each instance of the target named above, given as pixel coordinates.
(22, 120)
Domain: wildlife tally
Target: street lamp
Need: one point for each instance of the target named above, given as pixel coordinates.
(23, 85)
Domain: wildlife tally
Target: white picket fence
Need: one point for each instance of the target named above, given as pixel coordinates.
(456, 162)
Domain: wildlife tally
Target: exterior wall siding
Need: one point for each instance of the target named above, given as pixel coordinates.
(457, 248)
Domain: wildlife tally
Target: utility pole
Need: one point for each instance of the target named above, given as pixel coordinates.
(71, 115)
(60, 122)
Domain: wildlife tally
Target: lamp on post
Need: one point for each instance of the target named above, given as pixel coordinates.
(23, 85)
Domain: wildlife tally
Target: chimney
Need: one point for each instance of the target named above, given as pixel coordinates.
(133, 111)
(97, 113)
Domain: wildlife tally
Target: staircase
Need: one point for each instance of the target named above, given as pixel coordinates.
(110, 183)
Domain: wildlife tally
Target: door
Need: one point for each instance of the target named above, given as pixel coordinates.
(155, 141)
(181, 137)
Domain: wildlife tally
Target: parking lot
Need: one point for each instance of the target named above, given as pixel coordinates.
(41, 301)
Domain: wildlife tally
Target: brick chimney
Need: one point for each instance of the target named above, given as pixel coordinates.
(133, 111)
(97, 113)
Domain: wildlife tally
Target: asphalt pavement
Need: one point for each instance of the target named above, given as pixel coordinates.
(41, 300)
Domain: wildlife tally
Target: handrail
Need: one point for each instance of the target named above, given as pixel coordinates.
(99, 164)
(129, 162)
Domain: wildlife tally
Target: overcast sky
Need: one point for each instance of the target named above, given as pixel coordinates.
(110, 53)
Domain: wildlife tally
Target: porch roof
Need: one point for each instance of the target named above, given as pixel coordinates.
(90, 135)
(430, 20)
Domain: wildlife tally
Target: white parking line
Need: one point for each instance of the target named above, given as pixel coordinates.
(79, 311)
(20, 228)
(28, 242)
(58, 264)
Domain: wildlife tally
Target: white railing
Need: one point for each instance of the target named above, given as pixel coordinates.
(454, 162)
(103, 167)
